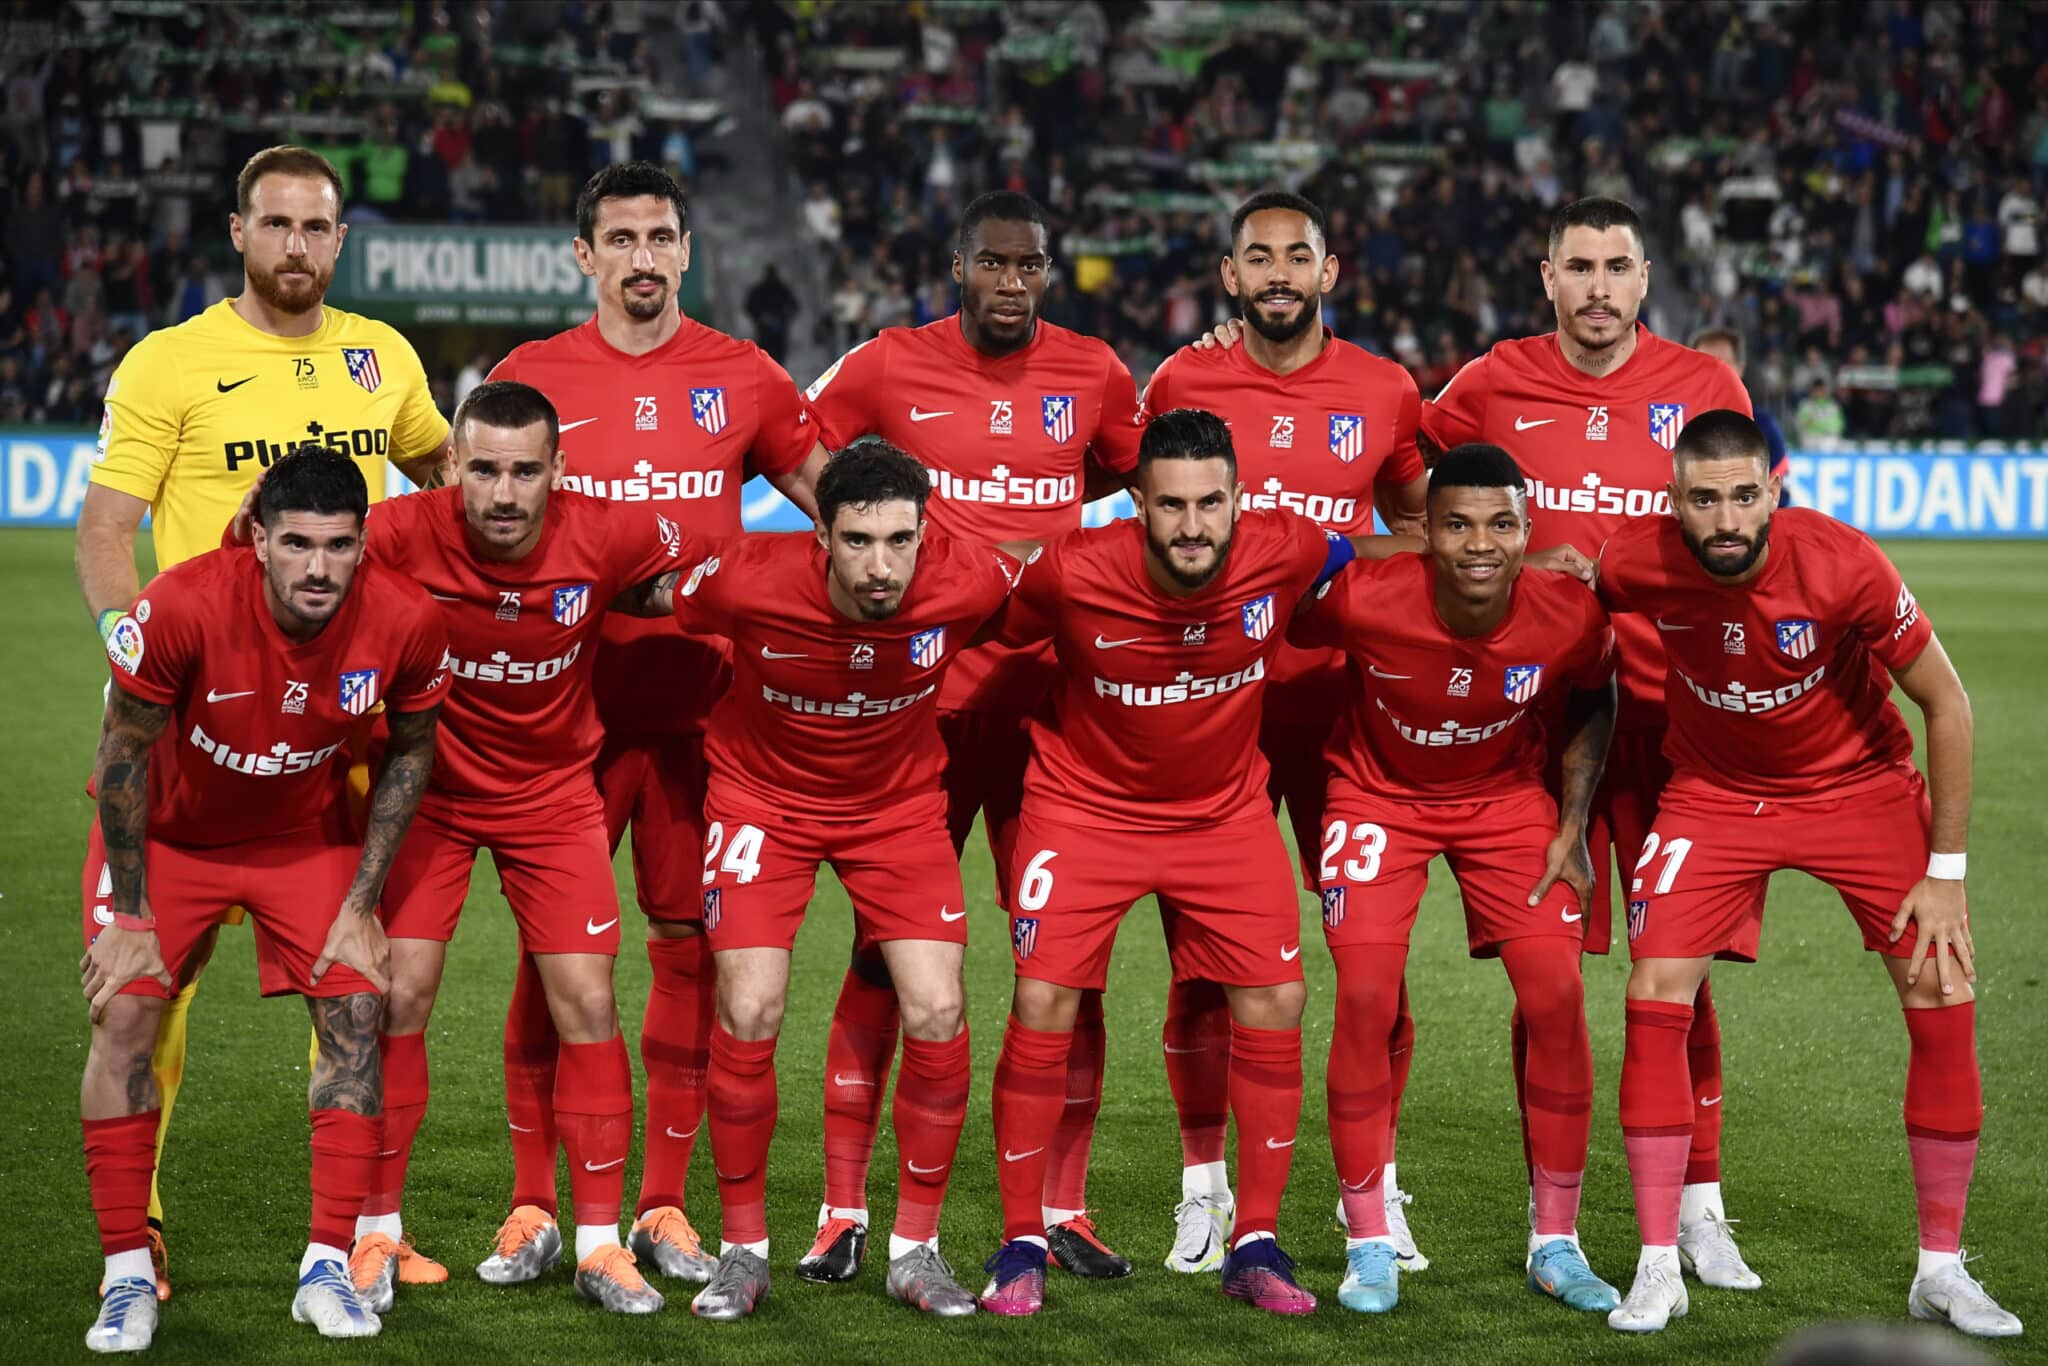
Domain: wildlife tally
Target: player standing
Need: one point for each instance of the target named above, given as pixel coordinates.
(1492, 644)
(1792, 755)
(826, 751)
(1591, 412)
(523, 574)
(673, 415)
(1147, 779)
(1326, 429)
(237, 677)
(1019, 421)
(196, 412)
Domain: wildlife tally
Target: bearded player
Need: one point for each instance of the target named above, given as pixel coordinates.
(238, 676)
(1326, 429)
(826, 751)
(1019, 421)
(1482, 644)
(1792, 755)
(1591, 413)
(675, 416)
(195, 413)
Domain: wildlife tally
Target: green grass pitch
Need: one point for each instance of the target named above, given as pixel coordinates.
(1815, 1162)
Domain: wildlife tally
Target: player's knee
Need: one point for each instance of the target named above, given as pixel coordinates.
(748, 1013)
(1673, 980)
(410, 1002)
(1045, 1005)
(586, 1012)
(934, 1012)
(1274, 1007)
(125, 1034)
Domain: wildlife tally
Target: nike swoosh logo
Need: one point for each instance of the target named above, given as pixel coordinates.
(1358, 1189)
(767, 653)
(228, 388)
(838, 1080)
(579, 422)
(520, 1128)
(392, 1153)
(1523, 425)
(950, 916)
(1276, 1146)
(1572, 917)
(670, 1131)
(1715, 1101)
(1171, 1049)
(602, 1166)
(592, 927)
(1009, 1156)
(1102, 644)
(1375, 672)
(916, 416)
(213, 696)
(1663, 625)
(926, 1171)
(1289, 955)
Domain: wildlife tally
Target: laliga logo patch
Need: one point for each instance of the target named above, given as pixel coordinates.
(124, 644)
(699, 574)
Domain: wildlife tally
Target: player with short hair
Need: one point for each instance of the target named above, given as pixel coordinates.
(1483, 646)
(1590, 413)
(1792, 755)
(1326, 429)
(673, 415)
(1147, 779)
(523, 571)
(237, 676)
(195, 413)
(826, 750)
(1725, 345)
(1020, 421)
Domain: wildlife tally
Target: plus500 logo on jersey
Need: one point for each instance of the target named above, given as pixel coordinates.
(1450, 732)
(1319, 508)
(1592, 496)
(502, 668)
(1002, 487)
(278, 760)
(650, 485)
(856, 704)
(1737, 698)
(1184, 688)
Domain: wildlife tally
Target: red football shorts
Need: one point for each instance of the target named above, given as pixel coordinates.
(555, 870)
(899, 870)
(1375, 857)
(291, 884)
(1624, 805)
(1301, 710)
(656, 784)
(1699, 881)
(986, 752)
(1235, 917)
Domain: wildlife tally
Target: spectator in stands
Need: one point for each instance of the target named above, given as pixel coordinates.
(1818, 422)
(772, 306)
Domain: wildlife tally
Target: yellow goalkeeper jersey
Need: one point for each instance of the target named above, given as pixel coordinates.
(195, 412)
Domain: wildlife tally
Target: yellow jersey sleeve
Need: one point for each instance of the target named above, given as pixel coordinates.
(418, 428)
(143, 421)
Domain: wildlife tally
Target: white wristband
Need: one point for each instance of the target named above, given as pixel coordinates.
(1947, 866)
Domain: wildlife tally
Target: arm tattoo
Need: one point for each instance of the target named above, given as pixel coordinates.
(1589, 726)
(348, 1075)
(409, 761)
(132, 727)
(654, 598)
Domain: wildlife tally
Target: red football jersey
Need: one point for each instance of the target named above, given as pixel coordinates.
(255, 716)
(680, 429)
(1156, 719)
(1596, 453)
(1445, 717)
(831, 719)
(520, 729)
(1778, 688)
(1003, 437)
(1317, 442)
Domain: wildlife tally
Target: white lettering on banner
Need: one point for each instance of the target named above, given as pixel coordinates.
(534, 266)
(1924, 494)
(45, 486)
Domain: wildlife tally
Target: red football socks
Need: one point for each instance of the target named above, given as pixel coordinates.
(1066, 1170)
(1265, 1100)
(1401, 1054)
(1030, 1092)
(404, 1059)
(1196, 1040)
(120, 1156)
(344, 1154)
(675, 1049)
(1703, 1059)
(742, 1117)
(1360, 1080)
(531, 1049)
(931, 1105)
(1557, 1092)
(594, 1112)
(1656, 1114)
(1944, 1112)
(858, 1052)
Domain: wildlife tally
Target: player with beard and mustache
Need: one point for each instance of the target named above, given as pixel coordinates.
(663, 411)
(195, 413)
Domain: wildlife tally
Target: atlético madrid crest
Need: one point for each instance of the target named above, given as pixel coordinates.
(358, 691)
(571, 604)
(928, 647)
(1333, 907)
(707, 406)
(1059, 417)
(1258, 617)
(1667, 420)
(1024, 936)
(362, 366)
(1347, 436)
(1796, 638)
(1520, 683)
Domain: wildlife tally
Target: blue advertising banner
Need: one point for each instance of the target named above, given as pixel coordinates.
(1906, 493)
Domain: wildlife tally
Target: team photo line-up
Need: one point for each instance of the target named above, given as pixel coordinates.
(327, 699)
